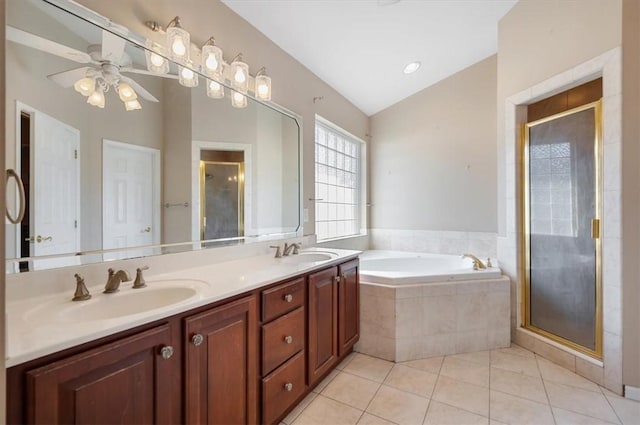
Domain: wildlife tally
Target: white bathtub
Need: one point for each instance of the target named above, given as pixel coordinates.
(415, 305)
(404, 268)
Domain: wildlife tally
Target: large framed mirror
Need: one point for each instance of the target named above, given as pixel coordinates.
(107, 178)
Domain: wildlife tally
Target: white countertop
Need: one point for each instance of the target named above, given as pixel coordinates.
(32, 334)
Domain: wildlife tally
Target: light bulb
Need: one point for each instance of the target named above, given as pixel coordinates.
(126, 92)
(156, 60)
(187, 74)
(187, 77)
(240, 80)
(239, 76)
(238, 100)
(263, 90)
(132, 105)
(85, 86)
(215, 90)
(178, 47)
(211, 62)
(96, 98)
(263, 87)
(179, 42)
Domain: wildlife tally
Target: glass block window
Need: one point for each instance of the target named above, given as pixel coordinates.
(551, 191)
(337, 167)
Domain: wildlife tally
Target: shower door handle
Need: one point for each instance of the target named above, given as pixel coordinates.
(595, 228)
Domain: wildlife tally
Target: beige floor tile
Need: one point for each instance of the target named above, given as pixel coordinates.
(369, 367)
(431, 365)
(288, 420)
(516, 350)
(555, 373)
(346, 361)
(323, 411)
(565, 417)
(514, 410)
(480, 357)
(518, 385)
(352, 390)
(580, 401)
(463, 395)
(398, 406)
(368, 419)
(518, 364)
(411, 380)
(326, 381)
(465, 371)
(443, 414)
(628, 410)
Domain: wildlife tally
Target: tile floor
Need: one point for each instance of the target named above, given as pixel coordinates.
(506, 386)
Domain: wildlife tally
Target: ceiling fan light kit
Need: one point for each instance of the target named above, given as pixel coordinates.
(211, 64)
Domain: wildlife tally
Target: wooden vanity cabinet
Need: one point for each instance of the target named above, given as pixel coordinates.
(348, 306)
(125, 382)
(221, 364)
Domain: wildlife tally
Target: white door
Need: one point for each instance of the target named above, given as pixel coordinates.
(55, 195)
(130, 198)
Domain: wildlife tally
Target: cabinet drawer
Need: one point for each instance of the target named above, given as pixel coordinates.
(282, 298)
(281, 339)
(282, 388)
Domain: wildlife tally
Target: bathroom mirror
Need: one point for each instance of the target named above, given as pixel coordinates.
(180, 170)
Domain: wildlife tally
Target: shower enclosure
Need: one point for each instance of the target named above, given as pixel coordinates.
(561, 228)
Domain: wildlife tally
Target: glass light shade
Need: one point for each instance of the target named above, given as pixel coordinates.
(238, 100)
(179, 44)
(155, 62)
(96, 98)
(85, 86)
(126, 92)
(263, 87)
(212, 61)
(187, 77)
(132, 105)
(215, 90)
(240, 76)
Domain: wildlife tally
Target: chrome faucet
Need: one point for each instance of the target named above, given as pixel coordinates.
(115, 279)
(477, 263)
(289, 248)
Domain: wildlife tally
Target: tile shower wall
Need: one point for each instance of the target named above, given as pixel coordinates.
(481, 244)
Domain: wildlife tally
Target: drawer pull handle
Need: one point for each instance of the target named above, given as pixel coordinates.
(166, 352)
(288, 339)
(288, 386)
(288, 298)
(197, 339)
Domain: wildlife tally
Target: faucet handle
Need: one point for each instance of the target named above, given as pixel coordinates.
(296, 248)
(278, 252)
(140, 282)
(82, 293)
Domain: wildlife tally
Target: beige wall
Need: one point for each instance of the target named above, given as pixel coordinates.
(294, 86)
(630, 193)
(433, 156)
(539, 39)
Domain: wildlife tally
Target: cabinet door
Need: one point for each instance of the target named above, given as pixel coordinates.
(349, 301)
(323, 323)
(221, 364)
(125, 382)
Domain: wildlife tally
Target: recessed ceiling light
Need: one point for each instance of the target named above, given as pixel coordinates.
(411, 68)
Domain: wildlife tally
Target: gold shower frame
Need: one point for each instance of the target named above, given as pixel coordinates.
(525, 229)
(203, 211)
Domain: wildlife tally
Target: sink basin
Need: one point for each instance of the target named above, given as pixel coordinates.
(308, 257)
(126, 302)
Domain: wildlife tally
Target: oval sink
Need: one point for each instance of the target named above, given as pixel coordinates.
(310, 257)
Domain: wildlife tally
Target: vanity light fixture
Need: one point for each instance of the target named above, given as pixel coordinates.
(186, 76)
(156, 63)
(411, 67)
(238, 100)
(239, 74)
(263, 85)
(178, 41)
(212, 59)
(215, 90)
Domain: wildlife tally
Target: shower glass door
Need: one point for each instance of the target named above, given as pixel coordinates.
(561, 164)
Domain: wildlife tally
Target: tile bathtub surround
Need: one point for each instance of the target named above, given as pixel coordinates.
(425, 320)
(435, 391)
(483, 245)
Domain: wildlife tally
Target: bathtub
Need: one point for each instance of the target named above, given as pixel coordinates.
(416, 305)
(402, 268)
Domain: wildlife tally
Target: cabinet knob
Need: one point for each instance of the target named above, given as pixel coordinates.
(166, 352)
(197, 339)
(288, 339)
(288, 298)
(288, 386)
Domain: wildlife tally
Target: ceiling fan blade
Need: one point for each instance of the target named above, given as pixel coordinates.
(147, 72)
(112, 47)
(139, 89)
(36, 42)
(68, 78)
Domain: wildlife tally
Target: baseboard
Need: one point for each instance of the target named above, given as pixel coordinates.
(632, 393)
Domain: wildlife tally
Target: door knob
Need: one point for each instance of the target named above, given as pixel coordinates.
(39, 239)
(288, 339)
(166, 352)
(288, 298)
(288, 386)
(197, 339)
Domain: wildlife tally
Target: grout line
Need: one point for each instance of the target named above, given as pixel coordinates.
(615, 412)
(376, 393)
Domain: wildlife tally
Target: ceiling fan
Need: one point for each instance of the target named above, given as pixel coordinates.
(105, 65)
